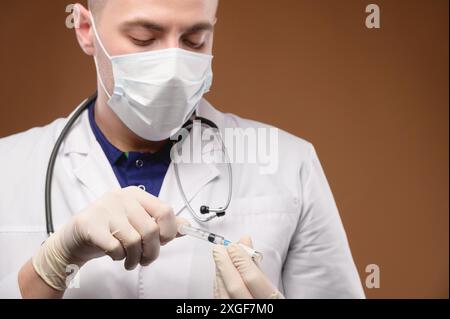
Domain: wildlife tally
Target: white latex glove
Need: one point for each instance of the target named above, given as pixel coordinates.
(238, 277)
(127, 223)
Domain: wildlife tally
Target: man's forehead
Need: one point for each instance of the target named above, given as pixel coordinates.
(129, 5)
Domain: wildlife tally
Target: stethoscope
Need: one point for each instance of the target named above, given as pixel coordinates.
(206, 213)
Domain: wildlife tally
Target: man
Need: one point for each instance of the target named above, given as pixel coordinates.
(114, 190)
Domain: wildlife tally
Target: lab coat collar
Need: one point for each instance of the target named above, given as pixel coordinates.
(92, 169)
(79, 140)
(89, 163)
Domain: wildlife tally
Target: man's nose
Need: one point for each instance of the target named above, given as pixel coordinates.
(171, 42)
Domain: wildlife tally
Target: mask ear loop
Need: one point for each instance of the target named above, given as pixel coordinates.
(99, 41)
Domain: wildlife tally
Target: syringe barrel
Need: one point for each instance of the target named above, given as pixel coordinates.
(216, 239)
(194, 232)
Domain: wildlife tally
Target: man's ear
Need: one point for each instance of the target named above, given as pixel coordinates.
(83, 29)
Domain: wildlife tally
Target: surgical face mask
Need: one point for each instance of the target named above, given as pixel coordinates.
(156, 93)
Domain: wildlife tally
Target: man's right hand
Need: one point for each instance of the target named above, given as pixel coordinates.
(125, 224)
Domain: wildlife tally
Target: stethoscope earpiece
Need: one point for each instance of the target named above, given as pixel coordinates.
(221, 214)
(205, 210)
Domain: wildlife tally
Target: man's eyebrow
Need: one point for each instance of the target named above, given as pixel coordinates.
(202, 26)
(146, 24)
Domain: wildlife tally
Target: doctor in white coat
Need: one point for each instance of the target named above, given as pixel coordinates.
(153, 61)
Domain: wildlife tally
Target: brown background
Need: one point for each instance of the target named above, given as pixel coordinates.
(373, 102)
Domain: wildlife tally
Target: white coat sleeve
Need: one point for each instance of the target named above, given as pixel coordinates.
(319, 263)
(9, 287)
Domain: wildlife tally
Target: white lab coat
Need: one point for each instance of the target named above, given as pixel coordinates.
(291, 216)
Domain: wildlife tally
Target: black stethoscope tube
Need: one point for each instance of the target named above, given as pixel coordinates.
(52, 161)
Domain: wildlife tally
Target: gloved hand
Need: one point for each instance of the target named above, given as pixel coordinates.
(127, 223)
(237, 275)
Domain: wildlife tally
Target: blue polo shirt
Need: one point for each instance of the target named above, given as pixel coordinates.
(144, 170)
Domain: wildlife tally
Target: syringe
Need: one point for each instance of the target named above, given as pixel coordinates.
(216, 239)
